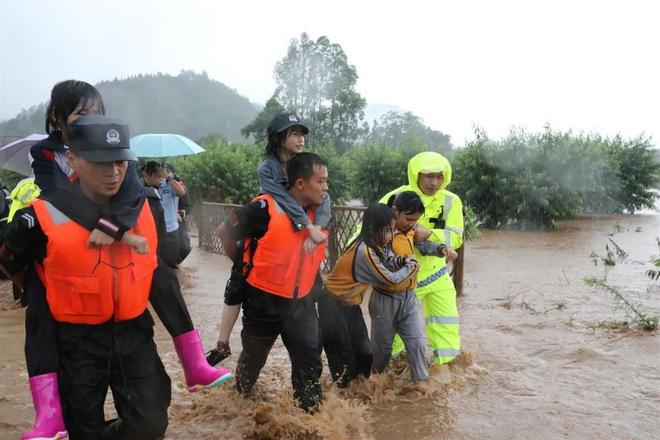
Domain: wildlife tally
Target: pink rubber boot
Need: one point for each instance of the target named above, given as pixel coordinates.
(48, 423)
(199, 374)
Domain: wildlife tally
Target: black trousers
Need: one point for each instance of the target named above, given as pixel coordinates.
(41, 353)
(345, 339)
(168, 248)
(121, 356)
(267, 316)
(184, 242)
(168, 303)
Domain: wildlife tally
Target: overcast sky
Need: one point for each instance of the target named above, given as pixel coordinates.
(585, 65)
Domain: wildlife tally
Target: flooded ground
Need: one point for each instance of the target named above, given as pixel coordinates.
(546, 356)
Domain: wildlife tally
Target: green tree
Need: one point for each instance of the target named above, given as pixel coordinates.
(638, 171)
(480, 182)
(339, 173)
(225, 172)
(315, 81)
(379, 168)
(395, 128)
(533, 180)
(258, 127)
(25, 123)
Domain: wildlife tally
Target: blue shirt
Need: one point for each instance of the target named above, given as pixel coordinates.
(170, 202)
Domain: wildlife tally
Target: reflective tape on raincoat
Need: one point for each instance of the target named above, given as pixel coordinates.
(443, 205)
(23, 193)
(436, 276)
(436, 291)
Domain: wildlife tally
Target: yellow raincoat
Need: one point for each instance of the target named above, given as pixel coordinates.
(435, 289)
(21, 196)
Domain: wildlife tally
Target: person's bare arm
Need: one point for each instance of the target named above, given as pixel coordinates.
(177, 187)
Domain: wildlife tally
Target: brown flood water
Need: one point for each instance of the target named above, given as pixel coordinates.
(533, 367)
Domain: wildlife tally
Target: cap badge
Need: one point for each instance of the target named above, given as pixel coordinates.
(112, 137)
(293, 118)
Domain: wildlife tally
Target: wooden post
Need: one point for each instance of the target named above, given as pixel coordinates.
(201, 233)
(457, 270)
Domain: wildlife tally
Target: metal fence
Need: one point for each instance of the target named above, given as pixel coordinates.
(208, 216)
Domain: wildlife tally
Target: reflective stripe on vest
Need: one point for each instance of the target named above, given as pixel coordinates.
(433, 277)
(446, 207)
(280, 266)
(93, 285)
(441, 320)
(446, 352)
(24, 192)
(459, 231)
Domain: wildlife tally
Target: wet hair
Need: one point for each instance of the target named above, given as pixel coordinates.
(407, 202)
(152, 167)
(276, 141)
(65, 97)
(301, 166)
(377, 217)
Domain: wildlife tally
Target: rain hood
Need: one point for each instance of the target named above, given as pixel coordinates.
(428, 162)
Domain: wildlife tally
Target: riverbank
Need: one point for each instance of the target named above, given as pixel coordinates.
(540, 361)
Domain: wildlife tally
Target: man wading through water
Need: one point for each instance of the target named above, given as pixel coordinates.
(97, 297)
(281, 274)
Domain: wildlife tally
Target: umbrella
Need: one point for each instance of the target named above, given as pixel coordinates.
(14, 155)
(163, 145)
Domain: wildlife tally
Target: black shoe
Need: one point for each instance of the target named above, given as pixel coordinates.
(218, 354)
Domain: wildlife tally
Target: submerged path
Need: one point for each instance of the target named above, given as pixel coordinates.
(546, 356)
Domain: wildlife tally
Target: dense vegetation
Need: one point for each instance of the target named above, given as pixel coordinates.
(525, 180)
(532, 180)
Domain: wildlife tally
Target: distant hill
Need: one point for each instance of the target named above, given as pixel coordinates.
(190, 104)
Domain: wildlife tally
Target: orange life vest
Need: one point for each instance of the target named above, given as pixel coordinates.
(87, 285)
(279, 265)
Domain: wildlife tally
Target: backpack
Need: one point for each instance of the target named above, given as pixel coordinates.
(237, 282)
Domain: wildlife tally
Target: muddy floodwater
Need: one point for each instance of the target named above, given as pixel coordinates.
(545, 355)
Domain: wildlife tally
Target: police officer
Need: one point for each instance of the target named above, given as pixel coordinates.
(97, 297)
(429, 174)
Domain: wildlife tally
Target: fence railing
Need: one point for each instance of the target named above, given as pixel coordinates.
(209, 216)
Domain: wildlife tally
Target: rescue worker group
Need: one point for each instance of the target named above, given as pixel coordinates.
(88, 245)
